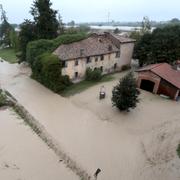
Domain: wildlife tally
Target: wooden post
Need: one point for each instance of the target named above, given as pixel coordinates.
(176, 95)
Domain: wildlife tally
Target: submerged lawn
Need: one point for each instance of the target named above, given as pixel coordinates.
(83, 85)
(8, 54)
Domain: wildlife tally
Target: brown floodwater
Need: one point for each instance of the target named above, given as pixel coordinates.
(125, 146)
(24, 156)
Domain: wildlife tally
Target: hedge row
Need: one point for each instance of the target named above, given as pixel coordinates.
(47, 70)
(93, 75)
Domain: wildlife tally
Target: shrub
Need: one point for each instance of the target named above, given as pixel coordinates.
(3, 100)
(93, 75)
(125, 67)
(178, 150)
(125, 94)
(47, 70)
(36, 48)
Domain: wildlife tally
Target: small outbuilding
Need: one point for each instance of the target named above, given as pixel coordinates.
(162, 79)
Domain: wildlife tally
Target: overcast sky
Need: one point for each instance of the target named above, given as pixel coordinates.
(97, 10)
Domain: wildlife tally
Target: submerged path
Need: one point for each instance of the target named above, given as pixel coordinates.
(94, 134)
(24, 156)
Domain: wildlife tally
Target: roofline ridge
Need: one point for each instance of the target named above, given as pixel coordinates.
(157, 65)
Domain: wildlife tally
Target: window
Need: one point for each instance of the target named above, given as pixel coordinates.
(110, 47)
(115, 66)
(76, 74)
(76, 63)
(101, 68)
(117, 54)
(81, 52)
(88, 60)
(96, 59)
(102, 57)
(64, 64)
(109, 56)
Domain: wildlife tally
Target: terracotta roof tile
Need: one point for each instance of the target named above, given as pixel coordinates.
(165, 71)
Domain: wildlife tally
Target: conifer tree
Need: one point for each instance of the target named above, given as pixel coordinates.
(125, 94)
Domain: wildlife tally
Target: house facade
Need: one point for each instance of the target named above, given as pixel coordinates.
(107, 52)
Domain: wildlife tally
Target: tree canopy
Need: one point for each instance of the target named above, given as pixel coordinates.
(5, 29)
(125, 94)
(45, 19)
(44, 26)
(27, 34)
(162, 45)
(146, 25)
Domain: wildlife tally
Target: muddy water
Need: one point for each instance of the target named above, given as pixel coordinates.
(96, 135)
(24, 156)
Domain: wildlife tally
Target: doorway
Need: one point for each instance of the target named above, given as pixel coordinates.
(147, 85)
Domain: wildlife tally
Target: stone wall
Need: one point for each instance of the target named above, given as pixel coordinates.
(108, 65)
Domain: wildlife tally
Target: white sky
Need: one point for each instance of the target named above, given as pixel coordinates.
(97, 10)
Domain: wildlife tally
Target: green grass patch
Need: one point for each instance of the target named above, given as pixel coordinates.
(83, 85)
(8, 54)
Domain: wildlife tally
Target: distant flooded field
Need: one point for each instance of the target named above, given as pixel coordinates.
(125, 28)
(122, 28)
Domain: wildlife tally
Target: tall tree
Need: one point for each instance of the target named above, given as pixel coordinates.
(146, 25)
(5, 29)
(125, 94)
(162, 45)
(45, 19)
(14, 40)
(60, 24)
(27, 34)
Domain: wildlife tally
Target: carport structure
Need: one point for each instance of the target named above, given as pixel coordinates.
(160, 79)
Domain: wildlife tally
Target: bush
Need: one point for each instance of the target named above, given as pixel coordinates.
(125, 94)
(3, 100)
(93, 75)
(19, 54)
(125, 67)
(47, 70)
(178, 150)
(36, 48)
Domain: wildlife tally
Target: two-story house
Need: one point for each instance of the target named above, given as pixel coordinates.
(108, 52)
